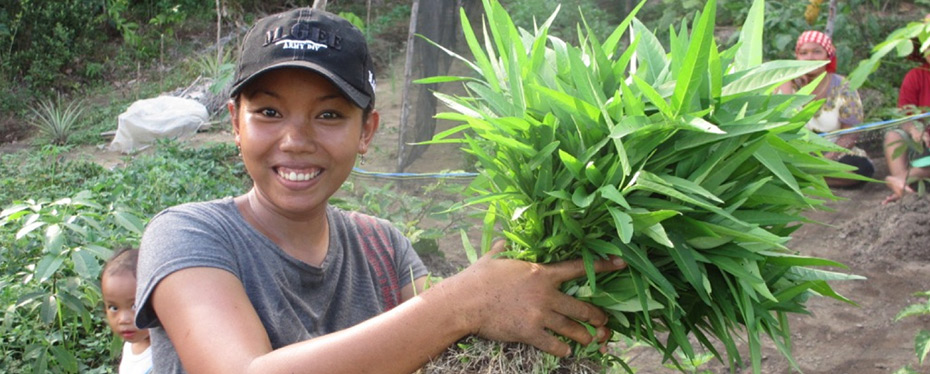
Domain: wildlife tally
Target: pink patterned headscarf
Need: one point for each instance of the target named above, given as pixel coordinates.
(813, 36)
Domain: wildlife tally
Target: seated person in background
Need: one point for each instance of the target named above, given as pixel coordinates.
(914, 93)
(841, 110)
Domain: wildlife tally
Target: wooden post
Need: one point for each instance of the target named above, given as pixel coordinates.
(831, 19)
(319, 4)
(405, 95)
(219, 21)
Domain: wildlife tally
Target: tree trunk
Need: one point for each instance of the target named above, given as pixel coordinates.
(219, 21)
(405, 95)
(831, 19)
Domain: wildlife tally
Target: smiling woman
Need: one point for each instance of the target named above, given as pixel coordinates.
(299, 138)
(277, 280)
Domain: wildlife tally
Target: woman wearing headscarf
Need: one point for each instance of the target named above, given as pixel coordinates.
(841, 109)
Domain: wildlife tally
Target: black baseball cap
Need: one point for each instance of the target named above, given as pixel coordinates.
(311, 39)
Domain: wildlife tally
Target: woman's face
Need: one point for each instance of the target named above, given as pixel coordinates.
(811, 51)
(299, 138)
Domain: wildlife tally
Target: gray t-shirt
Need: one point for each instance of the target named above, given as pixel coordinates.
(367, 264)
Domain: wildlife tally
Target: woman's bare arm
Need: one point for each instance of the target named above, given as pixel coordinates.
(214, 327)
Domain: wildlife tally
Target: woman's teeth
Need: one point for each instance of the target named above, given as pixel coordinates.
(297, 177)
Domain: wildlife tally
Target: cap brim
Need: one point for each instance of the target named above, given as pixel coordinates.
(353, 94)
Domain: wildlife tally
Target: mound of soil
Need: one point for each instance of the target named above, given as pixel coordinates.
(897, 231)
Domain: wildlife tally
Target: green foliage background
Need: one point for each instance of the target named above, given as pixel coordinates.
(75, 46)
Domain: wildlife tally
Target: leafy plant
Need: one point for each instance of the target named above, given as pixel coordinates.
(599, 19)
(168, 18)
(422, 217)
(900, 41)
(692, 365)
(681, 162)
(175, 175)
(116, 11)
(43, 173)
(922, 339)
(63, 244)
(57, 120)
(53, 248)
(220, 72)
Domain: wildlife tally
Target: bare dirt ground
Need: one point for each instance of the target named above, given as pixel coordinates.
(890, 245)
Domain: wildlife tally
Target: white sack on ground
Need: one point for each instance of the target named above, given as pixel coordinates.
(161, 117)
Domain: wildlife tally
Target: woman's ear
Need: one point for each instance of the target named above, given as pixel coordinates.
(369, 127)
(234, 118)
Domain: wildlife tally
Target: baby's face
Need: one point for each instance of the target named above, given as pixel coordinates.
(119, 297)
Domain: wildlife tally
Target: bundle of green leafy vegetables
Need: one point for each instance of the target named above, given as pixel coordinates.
(682, 162)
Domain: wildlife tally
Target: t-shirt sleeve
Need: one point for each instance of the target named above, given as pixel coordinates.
(909, 93)
(175, 239)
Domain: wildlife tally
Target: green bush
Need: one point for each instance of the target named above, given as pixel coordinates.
(51, 268)
(922, 339)
(43, 173)
(44, 43)
(54, 247)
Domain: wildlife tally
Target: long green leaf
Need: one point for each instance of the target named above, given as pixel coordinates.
(750, 38)
(695, 62)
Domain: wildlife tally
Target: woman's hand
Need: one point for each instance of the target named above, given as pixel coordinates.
(513, 300)
(801, 81)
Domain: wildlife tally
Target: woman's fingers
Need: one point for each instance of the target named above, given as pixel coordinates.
(549, 343)
(579, 310)
(571, 329)
(571, 269)
(523, 301)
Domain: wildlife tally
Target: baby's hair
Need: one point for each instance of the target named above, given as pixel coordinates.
(124, 259)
